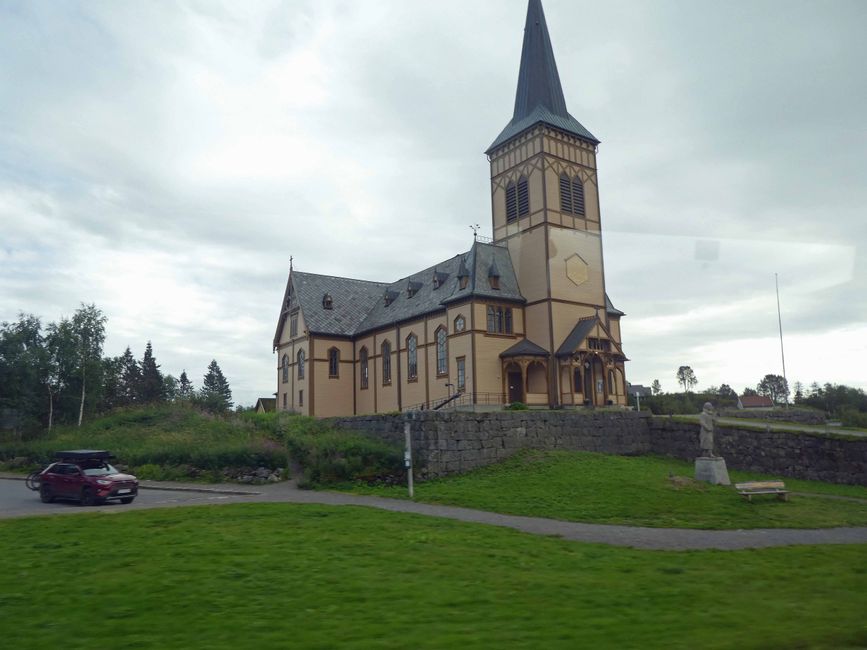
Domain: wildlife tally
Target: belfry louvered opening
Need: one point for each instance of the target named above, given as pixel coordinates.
(571, 195)
(517, 199)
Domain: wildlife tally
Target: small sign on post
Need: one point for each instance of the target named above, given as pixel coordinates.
(407, 454)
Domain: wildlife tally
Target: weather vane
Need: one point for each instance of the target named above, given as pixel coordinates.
(475, 229)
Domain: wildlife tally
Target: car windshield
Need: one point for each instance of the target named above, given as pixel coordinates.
(98, 469)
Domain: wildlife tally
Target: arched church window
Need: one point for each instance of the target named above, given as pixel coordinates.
(363, 359)
(511, 202)
(411, 357)
(442, 351)
(300, 364)
(386, 363)
(333, 362)
(284, 363)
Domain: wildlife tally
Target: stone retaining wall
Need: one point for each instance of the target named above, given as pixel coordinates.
(780, 453)
(456, 442)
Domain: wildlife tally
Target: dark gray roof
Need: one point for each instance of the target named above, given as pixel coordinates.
(539, 97)
(359, 306)
(525, 348)
(350, 300)
(611, 309)
(579, 333)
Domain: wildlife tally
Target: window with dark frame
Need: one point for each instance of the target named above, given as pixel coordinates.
(293, 325)
(300, 364)
(442, 351)
(462, 374)
(285, 366)
(499, 320)
(333, 362)
(411, 357)
(386, 363)
(578, 380)
(365, 370)
(300, 398)
(284, 401)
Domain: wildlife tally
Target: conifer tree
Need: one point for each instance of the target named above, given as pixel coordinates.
(185, 387)
(216, 395)
(151, 387)
(130, 383)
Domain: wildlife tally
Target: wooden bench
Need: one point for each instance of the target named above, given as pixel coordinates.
(747, 490)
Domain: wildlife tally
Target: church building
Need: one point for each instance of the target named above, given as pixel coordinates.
(522, 318)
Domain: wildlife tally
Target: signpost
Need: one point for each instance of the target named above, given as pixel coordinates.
(407, 454)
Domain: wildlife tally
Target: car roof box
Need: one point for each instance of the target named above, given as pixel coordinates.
(83, 454)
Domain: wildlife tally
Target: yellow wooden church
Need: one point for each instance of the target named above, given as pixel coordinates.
(523, 318)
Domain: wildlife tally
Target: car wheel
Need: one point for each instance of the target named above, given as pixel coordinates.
(45, 494)
(127, 500)
(87, 498)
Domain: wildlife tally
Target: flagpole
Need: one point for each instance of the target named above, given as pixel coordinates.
(780, 322)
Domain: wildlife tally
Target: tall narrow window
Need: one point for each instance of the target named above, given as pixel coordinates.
(365, 370)
(284, 401)
(333, 362)
(293, 325)
(511, 202)
(442, 352)
(386, 363)
(285, 366)
(300, 364)
(507, 321)
(300, 398)
(411, 357)
(492, 320)
(523, 197)
(499, 320)
(578, 196)
(565, 193)
(462, 374)
(577, 374)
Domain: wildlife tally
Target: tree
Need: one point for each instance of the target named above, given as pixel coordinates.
(749, 392)
(774, 386)
(727, 392)
(215, 394)
(130, 379)
(799, 392)
(686, 378)
(88, 325)
(61, 362)
(112, 382)
(151, 388)
(185, 387)
(170, 388)
(656, 387)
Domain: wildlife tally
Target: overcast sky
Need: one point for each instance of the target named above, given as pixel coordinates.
(164, 159)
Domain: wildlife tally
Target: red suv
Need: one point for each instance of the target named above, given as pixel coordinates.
(85, 475)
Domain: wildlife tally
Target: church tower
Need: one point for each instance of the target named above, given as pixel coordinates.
(545, 205)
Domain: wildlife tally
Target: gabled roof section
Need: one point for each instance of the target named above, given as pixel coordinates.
(611, 309)
(539, 98)
(582, 328)
(524, 348)
(350, 301)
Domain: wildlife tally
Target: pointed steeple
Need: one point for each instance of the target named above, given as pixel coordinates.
(540, 96)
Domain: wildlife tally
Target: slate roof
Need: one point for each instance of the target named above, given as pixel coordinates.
(350, 299)
(539, 98)
(524, 348)
(582, 328)
(359, 306)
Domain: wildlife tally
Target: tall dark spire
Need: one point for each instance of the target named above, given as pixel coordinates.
(540, 96)
(538, 81)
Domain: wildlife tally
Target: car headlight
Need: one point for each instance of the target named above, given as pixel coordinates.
(102, 481)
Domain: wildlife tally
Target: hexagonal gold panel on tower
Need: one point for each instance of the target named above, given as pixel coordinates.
(576, 269)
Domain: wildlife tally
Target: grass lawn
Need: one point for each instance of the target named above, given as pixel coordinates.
(300, 576)
(598, 488)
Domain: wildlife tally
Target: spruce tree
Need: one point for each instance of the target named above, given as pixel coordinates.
(130, 383)
(216, 395)
(185, 387)
(152, 388)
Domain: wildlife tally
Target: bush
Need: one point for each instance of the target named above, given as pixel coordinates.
(517, 406)
(853, 418)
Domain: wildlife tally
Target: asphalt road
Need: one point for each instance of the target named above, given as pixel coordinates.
(17, 501)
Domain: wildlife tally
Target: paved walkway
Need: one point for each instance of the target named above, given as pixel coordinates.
(672, 539)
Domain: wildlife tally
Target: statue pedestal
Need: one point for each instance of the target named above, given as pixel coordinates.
(712, 470)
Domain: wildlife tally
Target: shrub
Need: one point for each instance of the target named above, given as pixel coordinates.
(517, 406)
(853, 418)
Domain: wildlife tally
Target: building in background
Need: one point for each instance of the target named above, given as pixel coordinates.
(522, 318)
